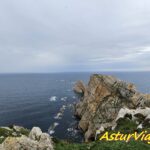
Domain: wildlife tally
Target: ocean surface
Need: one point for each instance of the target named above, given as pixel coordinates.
(46, 100)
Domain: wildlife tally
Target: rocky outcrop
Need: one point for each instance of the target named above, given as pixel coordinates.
(140, 116)
(79, 88)
(102, 99)
(36, 140)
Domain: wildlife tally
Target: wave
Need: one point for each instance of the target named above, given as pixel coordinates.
(52, 127)
(63, 99)
(53, 98)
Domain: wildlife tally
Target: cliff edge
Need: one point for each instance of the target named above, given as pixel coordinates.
(105, 100)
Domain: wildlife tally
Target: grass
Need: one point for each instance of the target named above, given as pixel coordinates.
(24, 131)
(1, 140)
(124, 126)
(103, 145)
(4, 133)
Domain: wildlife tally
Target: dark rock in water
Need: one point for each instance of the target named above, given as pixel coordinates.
(102, 100)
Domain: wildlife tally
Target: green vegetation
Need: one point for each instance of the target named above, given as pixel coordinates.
(124, 126)
(24, 131)
(102, 145)
(11, 132)
(4, 132)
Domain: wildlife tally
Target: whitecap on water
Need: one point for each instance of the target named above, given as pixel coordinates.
(51, 132)
(58, 116)
(56, 124)
(53, 99)
(70, 129)
(63, 99)
(70, 106)
(60, 113)
(74, 97)
(52, 127)
(64, 106)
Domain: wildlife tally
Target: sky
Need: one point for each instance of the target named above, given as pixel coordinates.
(74, 35)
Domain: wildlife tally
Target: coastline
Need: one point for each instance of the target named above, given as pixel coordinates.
(124, 125)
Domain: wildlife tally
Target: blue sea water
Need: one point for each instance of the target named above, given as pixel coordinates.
(36, 99)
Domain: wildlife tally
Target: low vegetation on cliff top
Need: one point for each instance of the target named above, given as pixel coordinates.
(102, 145)
(125, 126)
(12, 132)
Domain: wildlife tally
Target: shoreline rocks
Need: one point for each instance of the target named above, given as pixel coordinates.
(102, 99)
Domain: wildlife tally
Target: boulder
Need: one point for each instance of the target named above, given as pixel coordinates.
(35, 141)
(35, 133)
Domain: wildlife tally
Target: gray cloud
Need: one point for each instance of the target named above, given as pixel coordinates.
(74, 35)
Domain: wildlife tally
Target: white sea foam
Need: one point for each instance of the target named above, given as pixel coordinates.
(62, 109)
(63, 99)
(63, 106)
(53, 99)
(60, 113)
(56, 124)
(70, 129)
(74, 97)
(52, 127)
(58, 116)
(51, 132)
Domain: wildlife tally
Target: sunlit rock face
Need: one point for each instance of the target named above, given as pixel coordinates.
(101, 101)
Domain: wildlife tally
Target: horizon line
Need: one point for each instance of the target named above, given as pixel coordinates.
(75, 72)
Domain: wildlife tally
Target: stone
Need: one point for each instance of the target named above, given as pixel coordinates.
(17, 128)
(102, 100)
(35, 133)
(139, 115)
(35, 141)
(79, 88)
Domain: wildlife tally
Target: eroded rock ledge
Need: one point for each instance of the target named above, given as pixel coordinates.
(103, 101)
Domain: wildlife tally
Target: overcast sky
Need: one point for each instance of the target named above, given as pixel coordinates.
(74, 35)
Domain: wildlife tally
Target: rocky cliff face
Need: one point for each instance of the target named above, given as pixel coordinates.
(101, 101)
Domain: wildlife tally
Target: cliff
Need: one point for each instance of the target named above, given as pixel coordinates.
(105, 100)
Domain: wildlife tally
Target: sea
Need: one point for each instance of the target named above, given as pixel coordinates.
(47, 100)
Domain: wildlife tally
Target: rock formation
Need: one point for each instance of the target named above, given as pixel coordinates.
(36, 140)
(101, 101)
(79, 88)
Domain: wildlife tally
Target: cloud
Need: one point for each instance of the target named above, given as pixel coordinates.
(74, 35)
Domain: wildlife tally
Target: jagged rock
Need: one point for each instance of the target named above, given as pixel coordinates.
(36, 141)
(35, 133)
(139, 115)
(101, 101)
(136, 114)
(79, 87)
(17, 128)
